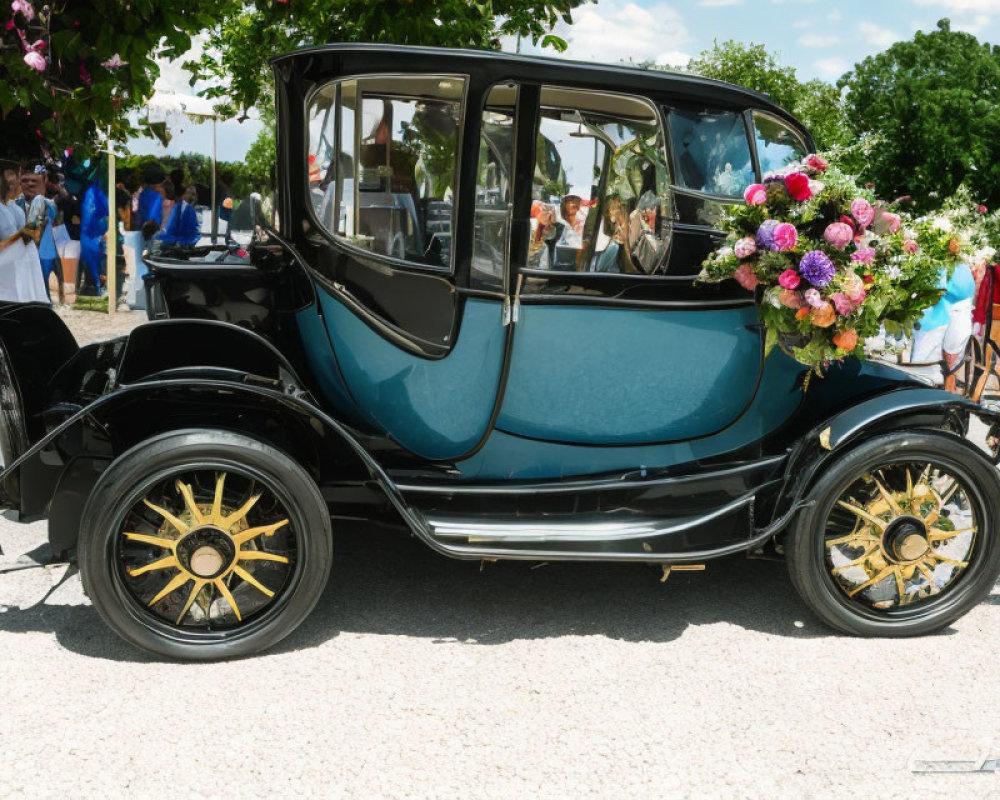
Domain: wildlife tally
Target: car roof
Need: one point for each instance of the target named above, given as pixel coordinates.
(622, 78)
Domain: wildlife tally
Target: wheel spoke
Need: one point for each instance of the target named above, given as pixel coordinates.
(881, 576)
(192, 596)
(170, 518)
(220, 486)
(861, 513)
(858, 561)
(252, 581)
(888, 497)
(219, 584)
(938, 535)
(243, 510)
(145, 538)
(262, 555)
(189, 502)
(241, 538)
(175, 583)
(163, 563)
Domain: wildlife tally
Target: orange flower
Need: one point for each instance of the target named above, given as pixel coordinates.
(824, 316)
(954, 246)
(846, 339)
(802, 313)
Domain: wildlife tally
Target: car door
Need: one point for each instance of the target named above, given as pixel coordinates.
(614, 343)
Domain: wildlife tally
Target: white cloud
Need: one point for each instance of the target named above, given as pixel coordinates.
(718, 3)
(974, 25)
(835, 15)
(610, 33)
(818, 40)
(876, 35)
(801, 24)
(831, 68)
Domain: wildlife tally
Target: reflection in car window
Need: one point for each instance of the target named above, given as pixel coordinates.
(496, 151)
(711, 151)
(600, 192)
(383, 163)
(777, 144)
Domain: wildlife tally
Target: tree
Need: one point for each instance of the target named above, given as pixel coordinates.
(235, 60)
(73, 68)
(815, 103)
(934, 103)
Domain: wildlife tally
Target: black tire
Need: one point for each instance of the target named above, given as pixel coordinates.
(120, 497)
(807, 545)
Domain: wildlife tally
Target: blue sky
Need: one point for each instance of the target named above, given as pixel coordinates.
(819, 39)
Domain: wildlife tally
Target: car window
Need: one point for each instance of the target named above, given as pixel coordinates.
(383, 164)
(711, 151)
(493, 187)
(777, 144)
(600, 190)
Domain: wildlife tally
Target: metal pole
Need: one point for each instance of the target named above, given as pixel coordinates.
(112, 234)
(215, 210)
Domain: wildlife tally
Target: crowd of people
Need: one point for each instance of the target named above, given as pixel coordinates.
(48, 229)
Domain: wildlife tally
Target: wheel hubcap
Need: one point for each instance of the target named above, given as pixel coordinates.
(910, 535)
(198, 559)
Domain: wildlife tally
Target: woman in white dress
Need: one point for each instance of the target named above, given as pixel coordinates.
(20, 268)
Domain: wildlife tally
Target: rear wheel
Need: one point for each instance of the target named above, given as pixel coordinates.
(901, 539)
(204, 545)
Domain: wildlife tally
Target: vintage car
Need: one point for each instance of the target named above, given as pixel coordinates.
(473, 312)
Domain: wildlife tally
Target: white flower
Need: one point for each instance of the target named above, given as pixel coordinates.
(114, 62)
(893, 272)
(942, 224)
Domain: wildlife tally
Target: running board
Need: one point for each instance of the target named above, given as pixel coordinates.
(610, 536)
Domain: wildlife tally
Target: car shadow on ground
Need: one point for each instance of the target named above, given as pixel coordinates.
(385, 582)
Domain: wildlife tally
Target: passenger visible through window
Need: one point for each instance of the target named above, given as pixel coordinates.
(600, 192)
(711, 151)
(777, 144)
(383, 164)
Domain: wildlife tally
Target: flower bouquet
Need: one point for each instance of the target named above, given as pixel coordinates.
(831, 265)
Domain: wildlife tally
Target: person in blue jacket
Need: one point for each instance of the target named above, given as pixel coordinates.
(945, 328)
(150, 207)
(93, 226)
(183, 227)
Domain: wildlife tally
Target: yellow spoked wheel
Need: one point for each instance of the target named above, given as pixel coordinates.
(901, 535)
(207, 549)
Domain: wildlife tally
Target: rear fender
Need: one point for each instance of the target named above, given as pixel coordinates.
(64, 466)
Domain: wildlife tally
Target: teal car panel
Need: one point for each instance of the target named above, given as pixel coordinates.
(505, 456)
(436, 408)
(599, 375)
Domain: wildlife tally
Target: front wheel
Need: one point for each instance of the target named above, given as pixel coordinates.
(901, 539)
(204, 544)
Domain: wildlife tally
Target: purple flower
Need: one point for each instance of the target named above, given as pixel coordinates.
(765, 234)
(817, 268)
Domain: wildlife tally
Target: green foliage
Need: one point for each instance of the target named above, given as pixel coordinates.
(934, 104)
(815, 103)
(82, 91)
(235, 61)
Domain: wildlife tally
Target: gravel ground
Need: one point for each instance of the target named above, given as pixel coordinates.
(417, 676)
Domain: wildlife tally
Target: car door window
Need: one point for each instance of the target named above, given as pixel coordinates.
(383, 164)
(711, 151)
(493, 188)
(777, 144)
(600, 190)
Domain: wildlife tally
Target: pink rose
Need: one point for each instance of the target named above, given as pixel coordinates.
(866, 255)
(755, 194)
(813, 298)
(745, 247)
(910, 246)
(981, 209)
(35, 60)
(842, 303)
(863, 212)
(892, 221)
(25, 8)
(745, 277)
(838, 235)
(797, 185)
(785, 236)
(854, 288)
(789, 279)
(816, 162)
(790, 299)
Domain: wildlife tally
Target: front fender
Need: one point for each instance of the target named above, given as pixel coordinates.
(901, 409)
